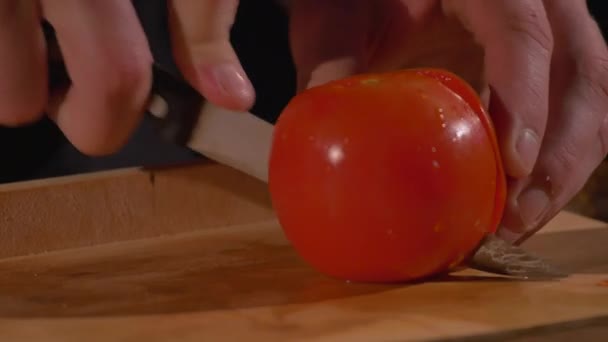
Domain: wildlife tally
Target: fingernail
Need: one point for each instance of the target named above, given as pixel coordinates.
(231, 82)
(533, 203)
(527, 147)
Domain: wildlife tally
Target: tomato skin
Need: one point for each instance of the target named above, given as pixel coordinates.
(386, 177)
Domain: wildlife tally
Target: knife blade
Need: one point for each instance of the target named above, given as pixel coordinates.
(495, 255)
(243, 142)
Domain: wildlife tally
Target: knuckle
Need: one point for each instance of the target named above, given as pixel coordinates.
(101, 145)
(593, 70)
(532, 27)
(110, 134)
(125, 78)
(119, 95)
(102, 141)
(561, 165)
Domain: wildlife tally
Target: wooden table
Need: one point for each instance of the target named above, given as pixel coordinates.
(194, 253)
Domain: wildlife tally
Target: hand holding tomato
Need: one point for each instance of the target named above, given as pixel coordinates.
(541, 67)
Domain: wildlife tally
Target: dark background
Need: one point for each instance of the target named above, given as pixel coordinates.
(40, 150)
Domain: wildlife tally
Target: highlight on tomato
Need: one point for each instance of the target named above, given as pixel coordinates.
(386, 177)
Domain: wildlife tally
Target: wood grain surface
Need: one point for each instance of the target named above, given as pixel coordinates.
(109, 206)
(238, 280)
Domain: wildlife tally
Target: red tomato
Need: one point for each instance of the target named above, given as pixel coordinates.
(386, 177)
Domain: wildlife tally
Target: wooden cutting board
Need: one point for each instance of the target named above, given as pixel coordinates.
(194, 253)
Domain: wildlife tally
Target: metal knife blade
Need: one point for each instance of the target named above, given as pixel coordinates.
(242, 141)
(495, 255)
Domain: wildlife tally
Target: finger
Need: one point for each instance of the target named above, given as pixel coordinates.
(588, 164)
(202, 49)
(518, 233)
(23, 92)
(518, 43)
(577, 133)
(109, 63)
(327, 39)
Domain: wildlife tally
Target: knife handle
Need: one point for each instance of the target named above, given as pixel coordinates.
(173, 106)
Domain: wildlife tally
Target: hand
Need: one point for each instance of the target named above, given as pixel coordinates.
(109, 62)
(108, 59)
(543, 72)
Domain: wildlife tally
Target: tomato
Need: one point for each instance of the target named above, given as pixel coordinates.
(386, 177)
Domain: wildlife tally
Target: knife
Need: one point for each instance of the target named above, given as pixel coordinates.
(243, 141)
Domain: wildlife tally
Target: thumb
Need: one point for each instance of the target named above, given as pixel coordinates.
(200, 31)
